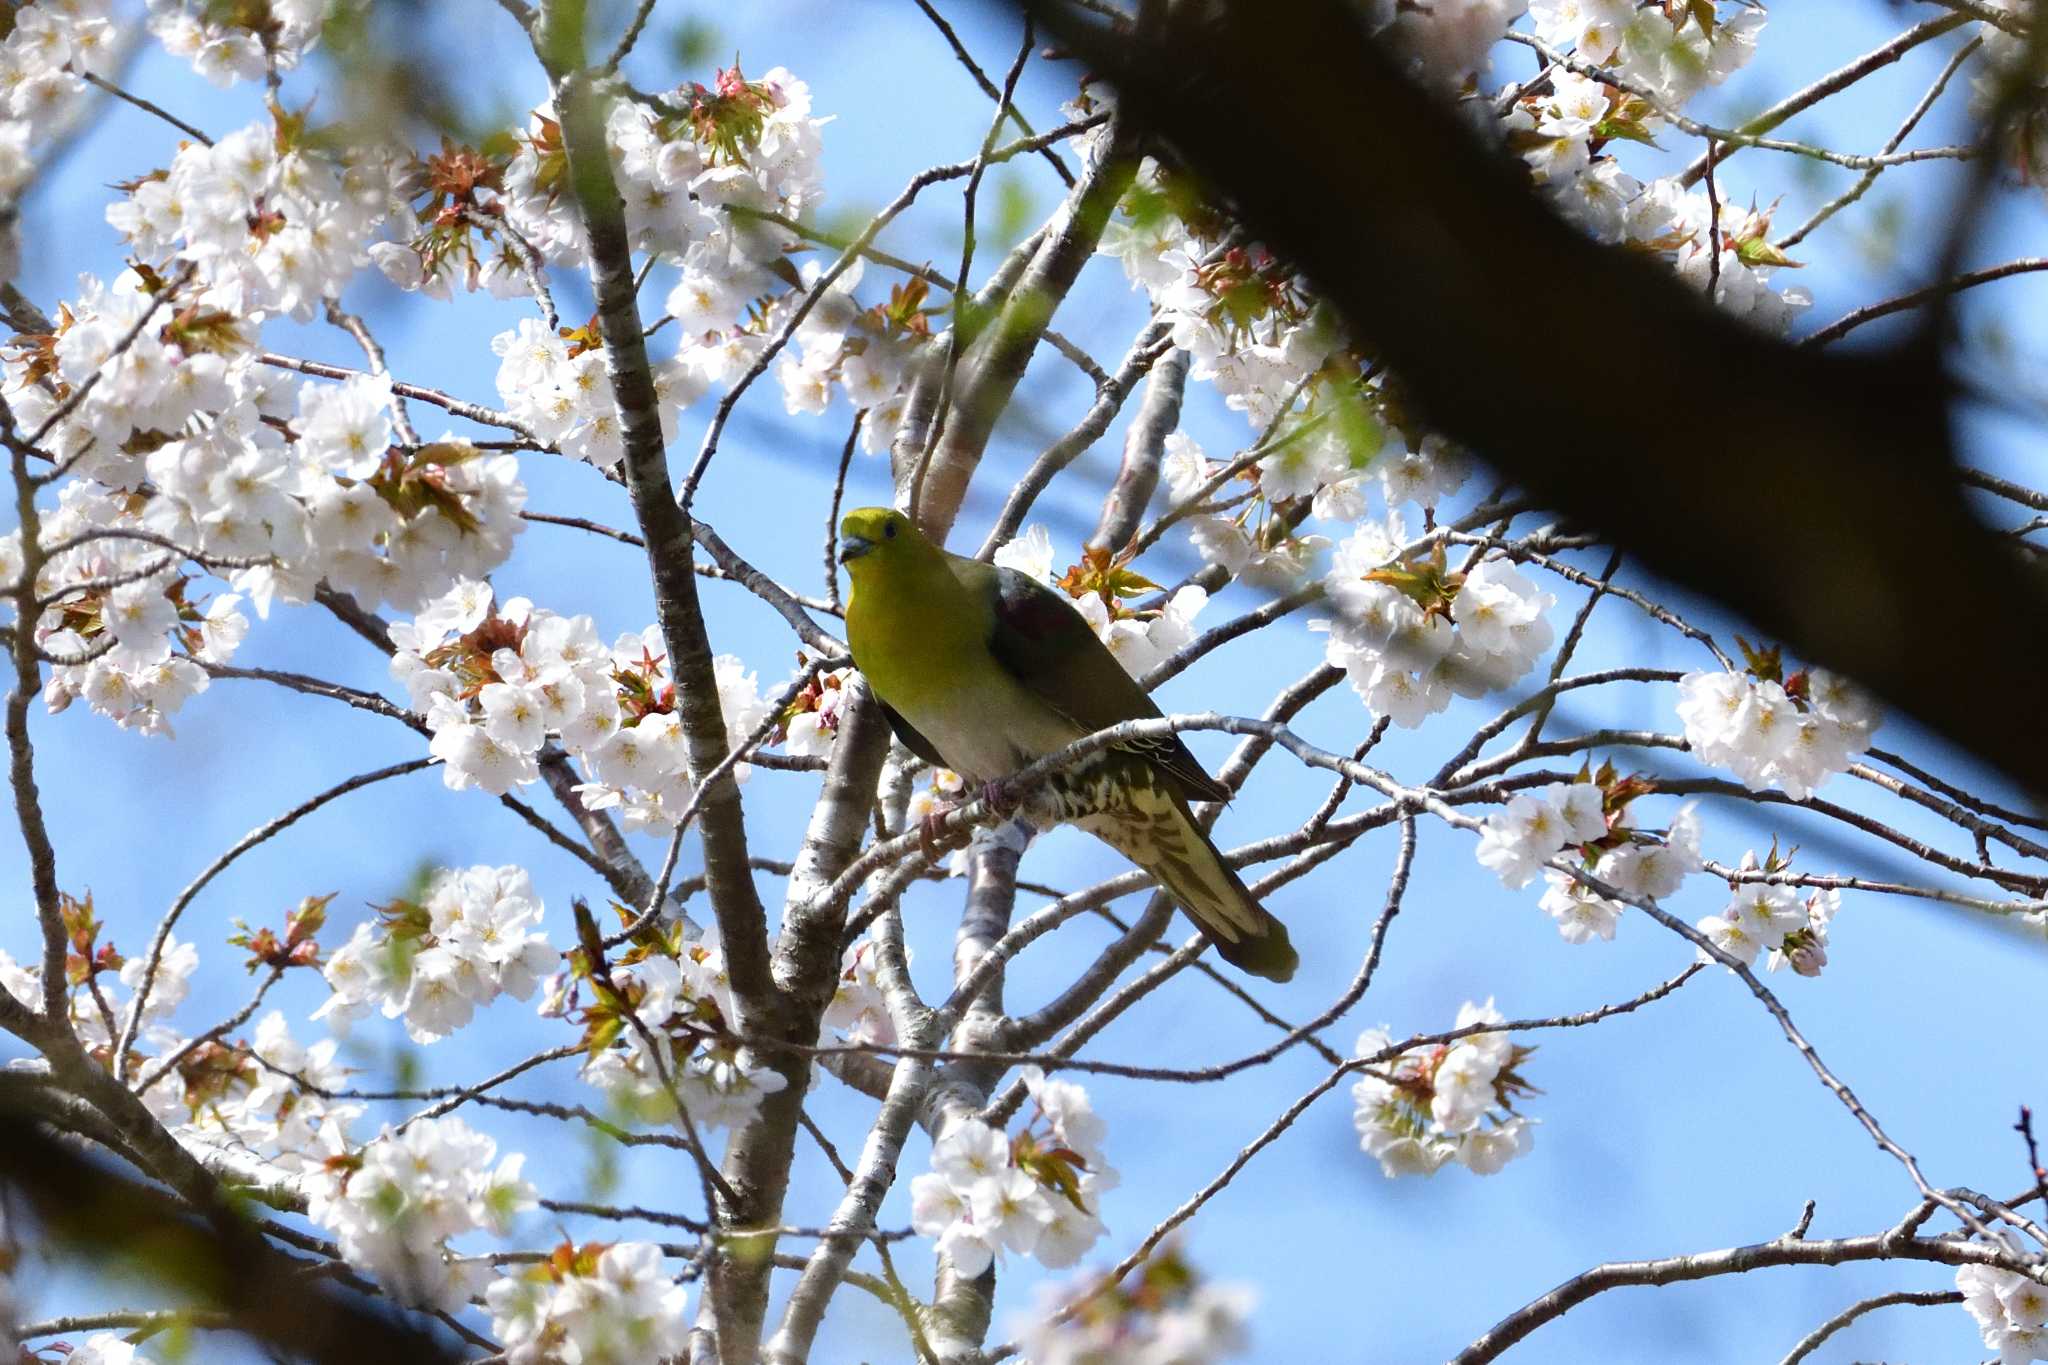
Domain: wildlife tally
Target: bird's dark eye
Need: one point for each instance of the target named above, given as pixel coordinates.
(889, 530)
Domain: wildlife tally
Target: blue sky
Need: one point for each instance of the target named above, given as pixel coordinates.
(1685, 1127)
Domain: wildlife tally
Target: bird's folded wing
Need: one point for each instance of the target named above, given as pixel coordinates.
(1041, 640)
(912, 740)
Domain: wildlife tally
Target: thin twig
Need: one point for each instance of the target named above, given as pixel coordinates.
(832, 514)
(147, 106)
(263, 833)
(1831, 84)
(1892, 143)
(988, 88)
(1968, 279)
(1811, 1342)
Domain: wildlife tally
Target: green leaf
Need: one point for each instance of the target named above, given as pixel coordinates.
(1759, 251)
(1767, 664)
(1628, 130)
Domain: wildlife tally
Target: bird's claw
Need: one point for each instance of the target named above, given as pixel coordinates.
(1000, 800)
(931, 834)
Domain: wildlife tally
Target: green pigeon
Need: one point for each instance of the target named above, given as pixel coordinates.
(983, 670)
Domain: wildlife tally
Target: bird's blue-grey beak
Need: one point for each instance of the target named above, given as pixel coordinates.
(853, 547)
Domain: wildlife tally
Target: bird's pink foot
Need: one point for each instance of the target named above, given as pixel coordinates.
(931, 833)
(997, 797)
(1000, 799)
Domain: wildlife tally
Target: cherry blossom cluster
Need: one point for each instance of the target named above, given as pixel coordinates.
(1650, 62)
(260, 1099)
(859, 1008)
(1568, 128)
(393, 523)
(95, 971)
(189, 449)
(1164, 1313)
(1593, 817)
(1682, 224)
(1765, 917)
(704, 172)
(697, 167)
(658, 1031)
(736, 144)
(1410, 632)
(473, 937)
(1256, 546)
(111, 389)
(839, 345)
(1140, 638)
(1444, 1102)
(267, 223)
(241, 42)
(1773, 730)
(394, 1204)
(810, 721)
(1331, 452)
(225, 457)
(1557, 133)
(1580, 913)
(1245, 318)
(1035, 1194)
(43, 63)
(2011, 1310)
(495, 682)
(1253, 331)
(557, 386)
(1673, 53)
(595, 1304)
(139, 632)
(1323, 466)
(866, 352)
(258, 1103)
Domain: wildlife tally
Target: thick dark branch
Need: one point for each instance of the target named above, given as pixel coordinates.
(721, 824)
(214, 1251)
(1426, 241)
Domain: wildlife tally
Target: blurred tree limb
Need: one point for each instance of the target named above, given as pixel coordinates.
(1815, 493)
(215, 1255)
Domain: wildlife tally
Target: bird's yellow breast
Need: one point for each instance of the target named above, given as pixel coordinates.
(914, 635)
(922, 641)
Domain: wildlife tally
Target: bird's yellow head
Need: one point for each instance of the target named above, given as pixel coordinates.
(880, 540)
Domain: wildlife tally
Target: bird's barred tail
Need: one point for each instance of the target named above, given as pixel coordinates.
(1158, 832)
